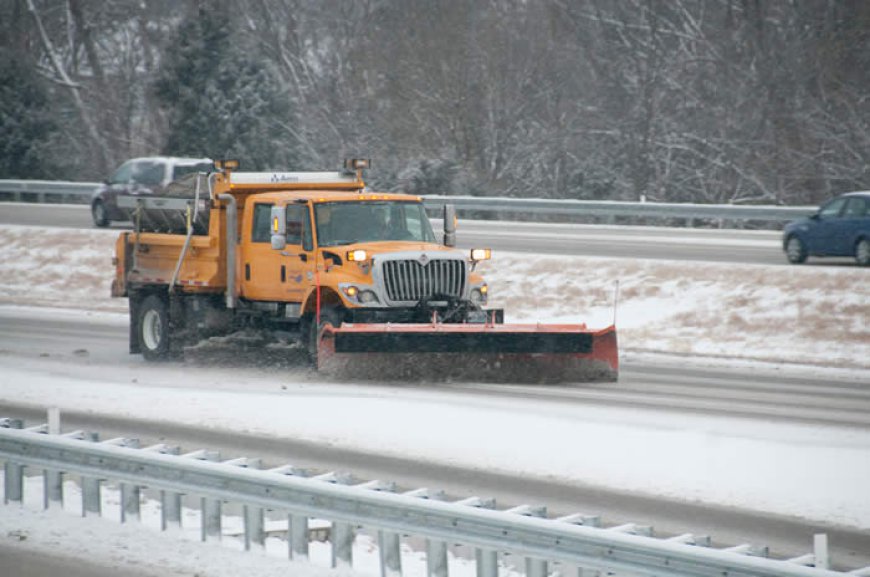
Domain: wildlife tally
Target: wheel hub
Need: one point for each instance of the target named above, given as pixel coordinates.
(152, 330)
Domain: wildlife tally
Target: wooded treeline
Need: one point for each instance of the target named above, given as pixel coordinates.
(678, 100)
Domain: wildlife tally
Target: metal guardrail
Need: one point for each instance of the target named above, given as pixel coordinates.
(613, 209)
(574, 541)
(40, 190)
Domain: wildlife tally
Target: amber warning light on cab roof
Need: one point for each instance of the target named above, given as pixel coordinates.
(226, 164)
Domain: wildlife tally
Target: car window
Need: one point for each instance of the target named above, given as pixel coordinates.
(261, 231)
(856, 208)
(180, 170)
(148, 172)
(123, 175)
(833, 208)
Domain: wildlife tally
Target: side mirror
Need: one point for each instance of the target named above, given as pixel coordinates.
(279, 227)
(449, 225)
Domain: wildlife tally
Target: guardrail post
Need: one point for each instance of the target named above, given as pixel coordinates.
(534, 567)
(436, 551)
(821, 552)
(255, 534)
(341, 534)
(389, 543)
(130, 500)
(211, 509)
(170, 501)
(52, 479)
(91, 504)
(486, 559)
(390, 546)
(13, 480)
(436, 558)
(297, 526)
(588, 521)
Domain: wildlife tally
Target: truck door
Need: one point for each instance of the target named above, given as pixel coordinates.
(297, 258)
(261, 266)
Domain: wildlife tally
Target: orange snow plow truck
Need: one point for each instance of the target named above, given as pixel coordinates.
(356, 278)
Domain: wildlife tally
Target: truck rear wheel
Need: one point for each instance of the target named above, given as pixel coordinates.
(154, 328)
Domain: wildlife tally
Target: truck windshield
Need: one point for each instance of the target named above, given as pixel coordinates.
(352, 222)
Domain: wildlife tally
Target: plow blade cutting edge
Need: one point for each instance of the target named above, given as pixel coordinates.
(521, 353)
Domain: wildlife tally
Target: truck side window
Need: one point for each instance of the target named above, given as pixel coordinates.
(298, 225)
(261, 229)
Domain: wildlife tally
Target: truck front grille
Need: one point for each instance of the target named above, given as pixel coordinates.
(408, 280)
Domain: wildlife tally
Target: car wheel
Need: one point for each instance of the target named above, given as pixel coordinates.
(154, 328)
(98, 212)
(862, 252)
(795, 250)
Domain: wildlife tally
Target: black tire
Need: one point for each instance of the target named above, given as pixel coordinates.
(862, 252)
(795, 250)
(153, 329)
(99, 214)
(331, 315)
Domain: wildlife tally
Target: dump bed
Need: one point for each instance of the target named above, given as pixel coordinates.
(149, 258)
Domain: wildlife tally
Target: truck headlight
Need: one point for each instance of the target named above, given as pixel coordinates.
(480, 254)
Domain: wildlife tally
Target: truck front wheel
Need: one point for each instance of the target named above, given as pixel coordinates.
(311, 330)
(154, 328)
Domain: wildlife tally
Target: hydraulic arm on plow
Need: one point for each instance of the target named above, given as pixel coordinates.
(357, 278)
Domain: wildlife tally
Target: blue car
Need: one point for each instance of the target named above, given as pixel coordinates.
(841, 227)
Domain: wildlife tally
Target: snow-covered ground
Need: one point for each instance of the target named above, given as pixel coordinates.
(803, 316)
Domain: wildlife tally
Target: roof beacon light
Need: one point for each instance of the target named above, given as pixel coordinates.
(357, 165)
(226, 164)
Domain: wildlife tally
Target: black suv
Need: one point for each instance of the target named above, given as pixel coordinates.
(140, 176)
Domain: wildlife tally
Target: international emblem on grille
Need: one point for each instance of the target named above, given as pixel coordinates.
(424, 260)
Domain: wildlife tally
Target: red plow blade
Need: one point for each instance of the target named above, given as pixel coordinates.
(521, 353)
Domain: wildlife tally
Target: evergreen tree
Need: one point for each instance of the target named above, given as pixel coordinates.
(220, 101)
(25, 122)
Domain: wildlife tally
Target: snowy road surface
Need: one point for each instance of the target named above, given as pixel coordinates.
(791, 476)
(671, 446)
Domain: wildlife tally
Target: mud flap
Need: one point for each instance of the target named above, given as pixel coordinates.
(530, 353)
